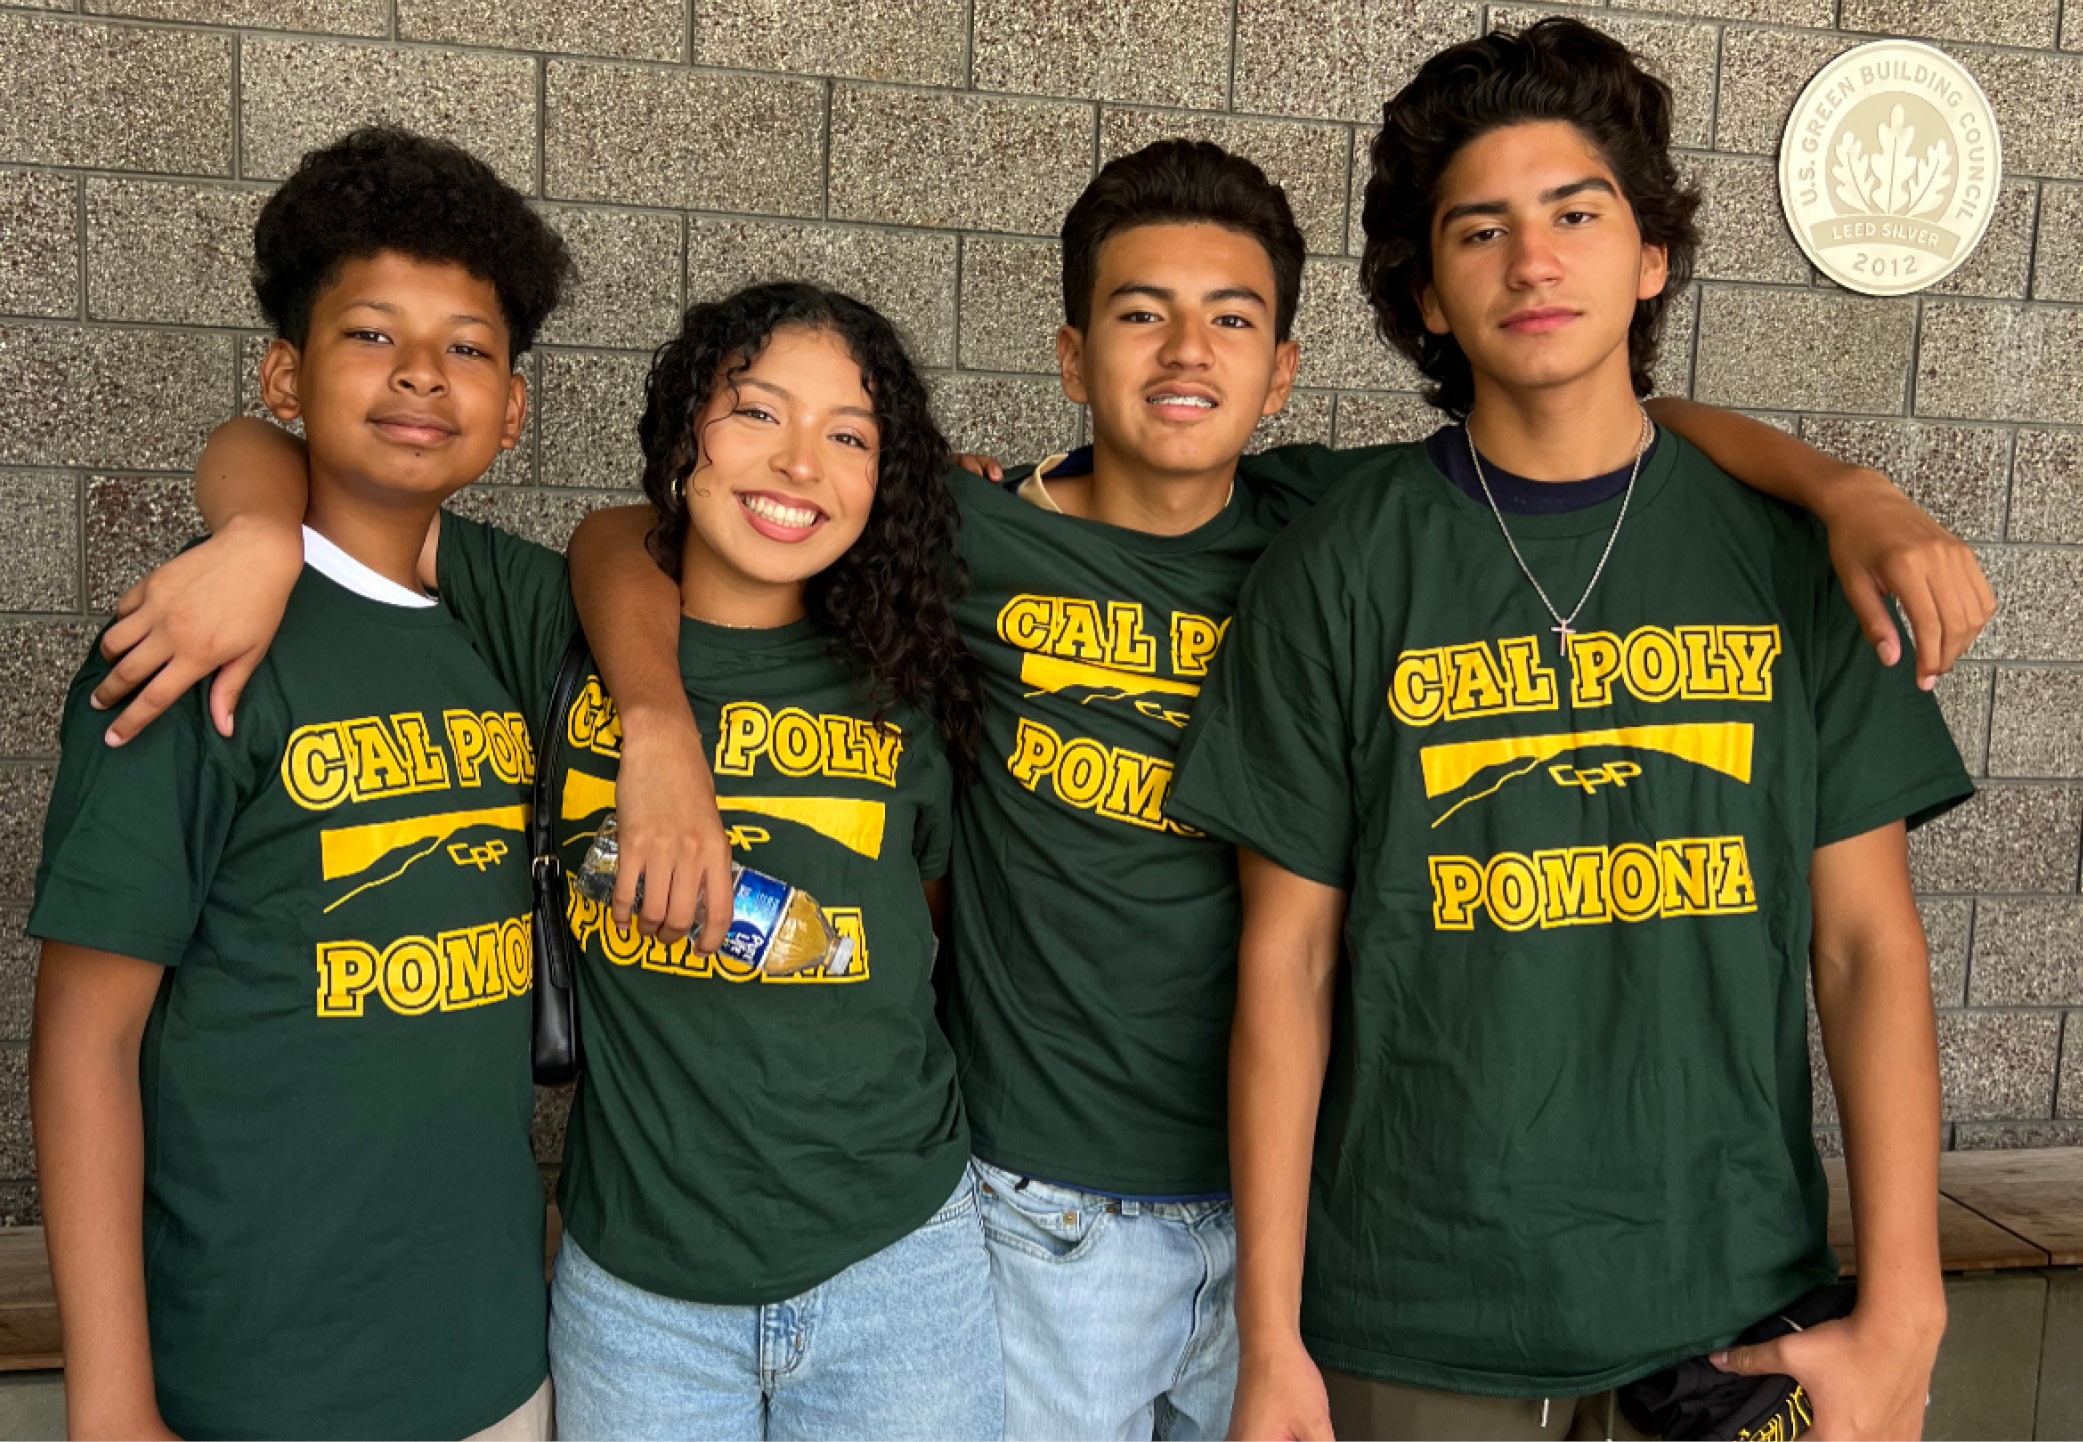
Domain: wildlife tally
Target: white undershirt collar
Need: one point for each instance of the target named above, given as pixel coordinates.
(322, 556)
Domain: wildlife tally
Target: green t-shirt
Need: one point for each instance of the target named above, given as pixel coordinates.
(1093, 937)
(1565, 1130)
(738, 1139)
(343, 1222)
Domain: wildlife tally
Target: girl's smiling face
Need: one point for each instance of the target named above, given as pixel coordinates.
(784, 480)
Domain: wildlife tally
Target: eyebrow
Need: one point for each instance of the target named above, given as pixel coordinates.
(771, 389)
(1159, 292)
(1590, 183)
(384, 307)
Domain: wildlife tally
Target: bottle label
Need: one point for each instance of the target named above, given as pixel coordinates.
(756, 911)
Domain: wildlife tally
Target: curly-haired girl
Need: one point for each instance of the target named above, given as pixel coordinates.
(770, 1225)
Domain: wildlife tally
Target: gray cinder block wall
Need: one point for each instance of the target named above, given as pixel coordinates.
(920, 153)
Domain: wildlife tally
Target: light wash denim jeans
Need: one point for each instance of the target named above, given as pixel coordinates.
(900, 1344)
(1116, 1316)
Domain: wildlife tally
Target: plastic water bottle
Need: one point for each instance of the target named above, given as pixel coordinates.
(774, 926)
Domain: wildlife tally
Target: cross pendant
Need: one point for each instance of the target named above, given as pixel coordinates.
(1562, 634)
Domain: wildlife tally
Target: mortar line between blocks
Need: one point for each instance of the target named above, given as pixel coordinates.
(1229, 89)
(542, 127)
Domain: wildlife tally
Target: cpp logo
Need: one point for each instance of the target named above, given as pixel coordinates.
(489, 854)
(1613, 773)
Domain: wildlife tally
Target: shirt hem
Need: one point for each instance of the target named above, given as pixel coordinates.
(582, 1223)
(1432, 1376)
(187, 1424)
(164, 953)
(1099, 1181)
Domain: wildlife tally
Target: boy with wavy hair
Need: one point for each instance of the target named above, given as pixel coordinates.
(1557, 765)
(279, 1070)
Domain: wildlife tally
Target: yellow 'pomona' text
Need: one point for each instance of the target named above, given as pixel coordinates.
(1594, 885)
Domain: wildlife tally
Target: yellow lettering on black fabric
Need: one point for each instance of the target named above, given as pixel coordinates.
(1456, 683)
(593, 724)
(1590, 885)
(1076, 630)
(1691, 663)
(626, 946)
(490, 740)
(361, 759)
(1114, 782)
(455, 970)
(1195, 640)
(799, 744)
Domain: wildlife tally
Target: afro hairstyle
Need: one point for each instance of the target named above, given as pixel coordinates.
(382, 188)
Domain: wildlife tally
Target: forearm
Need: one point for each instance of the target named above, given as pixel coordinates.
(89, 1130)
(1764, 457)
(251, 471)
(631, 612)
(1279, 1045)
(1873, 998)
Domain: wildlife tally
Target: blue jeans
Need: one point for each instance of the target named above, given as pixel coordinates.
(1116, 1316)
(900, 1344)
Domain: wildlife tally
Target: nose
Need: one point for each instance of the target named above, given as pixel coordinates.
(797, 455)
(1185, 345)
(418, 368)
(1534, 259)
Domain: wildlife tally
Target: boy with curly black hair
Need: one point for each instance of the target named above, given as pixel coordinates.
(279, 1070)
(1558, 766)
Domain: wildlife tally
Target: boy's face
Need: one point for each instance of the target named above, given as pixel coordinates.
(1179, 360)
(1536, 259)
(787, 469)
(403, 383)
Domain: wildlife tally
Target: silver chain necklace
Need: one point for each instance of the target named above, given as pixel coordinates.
(1562, 627)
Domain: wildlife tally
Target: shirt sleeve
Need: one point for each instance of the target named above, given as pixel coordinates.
(933, 834)
(134, 834)
(1264, 764)
(514, 597)
(1883, 753)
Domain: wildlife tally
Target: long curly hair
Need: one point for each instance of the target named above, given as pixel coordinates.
(1555, 69)
(887, 604)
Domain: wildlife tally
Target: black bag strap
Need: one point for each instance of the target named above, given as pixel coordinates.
(549, 754)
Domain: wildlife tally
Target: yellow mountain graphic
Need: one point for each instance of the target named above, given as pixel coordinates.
(856, 825)
(1053, 674)
(351, 850)
(1722, 746)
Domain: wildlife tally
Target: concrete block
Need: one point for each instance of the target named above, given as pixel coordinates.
(638, 29)
(2037, 726)
(77, 397)
(297, 95)
(1957, 473)
(41, 570)
(1161, 52)
(39, 244)
(907, 275)
(915, 42)
(1998, 1065)
(1338, 59)
(70, 93)
(175, 253)
(2010, 837)
(1803, 350)
(627, 292)
(2028, 951)
(958, 161)
(678, 139)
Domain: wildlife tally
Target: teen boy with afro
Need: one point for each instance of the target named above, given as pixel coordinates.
(279, 1071)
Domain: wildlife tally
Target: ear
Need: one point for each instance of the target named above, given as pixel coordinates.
(1287, 358)
(1429, 308)
(1656, 272)
(280, 373)
(1070, 362)
(516, 411)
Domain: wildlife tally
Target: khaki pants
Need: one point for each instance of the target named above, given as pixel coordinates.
(1361, 1408)
(532, 1421)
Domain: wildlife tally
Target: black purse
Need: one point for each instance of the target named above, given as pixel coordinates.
(1695, 1399)
(558, 1052)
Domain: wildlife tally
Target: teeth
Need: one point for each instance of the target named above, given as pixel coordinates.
(793, 516)
(1202, 402)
